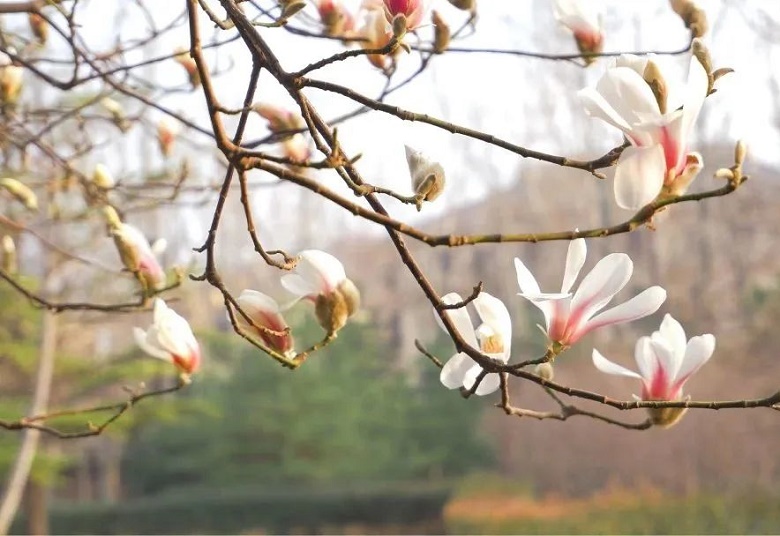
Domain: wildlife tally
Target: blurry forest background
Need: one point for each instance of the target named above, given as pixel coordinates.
(364, 438)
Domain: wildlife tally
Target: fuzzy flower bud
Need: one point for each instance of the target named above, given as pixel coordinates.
(441, 33)
(10, 84)
(20, 192)
(9, 261)
(545, 371)
(427, 176)
(117, 113)
(694, 18)
(102, 177)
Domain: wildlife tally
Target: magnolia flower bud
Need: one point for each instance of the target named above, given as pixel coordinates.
(184, 59)
(740, 152)
(399, 26)
(666, 417)
(441, 33)
(291, 8)
(117, 113)
(427, 176)
(465, 5)
(336, 20)
(39, 27)
(10, 84)
(724, 173)
(112, 217)
(20, 192)
(545, 371)
(694, 18)
(702, 53)
(10, 261)
(166, 135)
(657, 83)
(102, 178)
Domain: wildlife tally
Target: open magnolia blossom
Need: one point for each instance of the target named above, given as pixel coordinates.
(320, 278)
(265, 312)
(493, 337)
(170, 338)
(583, 19)
(658, 156)
(665, 361)
(413, 12)
(568, 317)
(137, 255)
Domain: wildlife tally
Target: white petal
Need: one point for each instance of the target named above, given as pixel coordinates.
(493, 312)
(299, 286)
(252, 299)
(632, 61)
(697, 353)
(628, 94)
(488, 384)
(454, 371)
(525, 279)
(608, 367)
(460, 318)
(142, 340)
(605, 280)
(643, 304)
(665, 358)
(639, 176)
(575, 258)
(645, 358)
(596, 106)
(674, 334)
(695, 93)
(174, 334)
(320, 269)
(530, 290)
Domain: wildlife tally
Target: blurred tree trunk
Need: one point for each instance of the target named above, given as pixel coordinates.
(37, 508)
(24, 460)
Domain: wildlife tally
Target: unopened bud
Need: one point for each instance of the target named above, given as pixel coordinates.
(724, 173)
(39, 27)
(166, 135)
(112, 217)
(545, 371)
(694, 18)
(666, 417)
(333, 309)
(351, 295)
(427, 176)
(10, 261)
(740, 152)
(10, 84)
(702, 53)
(441, 33)
(128, 252)
(102, 178)
(465, 5)
(657, 83)
(117, 113)
(20, 192)
(184, 59)
(291, 8)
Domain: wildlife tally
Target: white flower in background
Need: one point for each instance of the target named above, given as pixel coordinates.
(570, 316)
(320, 278)
(170, 338)
(265, 312)
(137, 255)
(666, 361)
(493, 337)
(583, 19)
(658, 155)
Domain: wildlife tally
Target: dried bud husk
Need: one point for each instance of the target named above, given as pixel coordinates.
(657, 83)
(666, 417)
(10, 260)
(465, 5)
(694, 18)
(427, 176)
(333, 309)
(441, 33)
(39, 27)
(102, 178)
(20, 192)
(399, 26)
(545, 370)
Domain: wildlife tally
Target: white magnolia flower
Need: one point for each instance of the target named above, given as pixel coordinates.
(493, 337)
(583, 19)
(170, 338)
(658, 155)
(570, 316)
(665, 360)
(320, 278)
(265, 312)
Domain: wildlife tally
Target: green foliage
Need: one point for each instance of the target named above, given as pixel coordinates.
(233, 510)
(342, 417)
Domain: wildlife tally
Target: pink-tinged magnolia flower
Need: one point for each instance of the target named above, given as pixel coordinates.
(184, 59)
(279, 119)
(170, 338)
(335, 18)
(493, 337)
(665, 361)
(137, 254)
(265, 312)
(584, 21)
(412, 10)
(658, 156)
(570, 316)
(320, 278)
